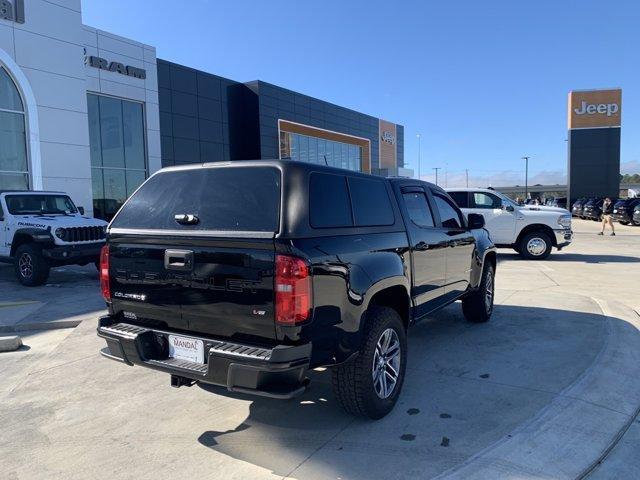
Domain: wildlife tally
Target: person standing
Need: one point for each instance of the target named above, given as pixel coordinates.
(607, 208)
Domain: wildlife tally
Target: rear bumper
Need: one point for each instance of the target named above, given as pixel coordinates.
(74, 253)
(563, 236)
(279, 372)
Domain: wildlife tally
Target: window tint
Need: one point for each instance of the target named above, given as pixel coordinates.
(486, 200)
(227, 199)
(418, 209)
(329, 204)
(461, 198)
(35, 204)
(370, 200)
(448, 214)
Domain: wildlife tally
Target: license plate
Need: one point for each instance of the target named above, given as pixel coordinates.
(186, 348)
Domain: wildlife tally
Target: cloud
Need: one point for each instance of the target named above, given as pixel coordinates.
(504, 178)
(630, 167)
(510, 178)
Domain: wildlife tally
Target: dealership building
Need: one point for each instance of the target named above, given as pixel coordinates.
(94, 114)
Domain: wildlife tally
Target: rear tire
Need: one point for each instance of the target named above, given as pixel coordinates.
(478, 305)
(369, 384)
(31, 268)
(535, 246)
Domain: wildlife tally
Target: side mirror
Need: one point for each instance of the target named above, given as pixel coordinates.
(81, 210)
(508, 208)
(476, 221)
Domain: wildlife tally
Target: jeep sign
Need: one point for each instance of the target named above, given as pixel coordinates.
(595, 108)
(591, 108)
(388, 137)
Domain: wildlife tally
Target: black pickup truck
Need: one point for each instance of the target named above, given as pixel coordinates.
(247, 274)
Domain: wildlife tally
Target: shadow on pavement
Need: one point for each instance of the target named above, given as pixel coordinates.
(467, 386)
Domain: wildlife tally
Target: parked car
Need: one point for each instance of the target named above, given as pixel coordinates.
(248, 274)
(636, 215)
(531, 230)
(559, 202)
(578, 205)
(592, 210)
(623, 210)
(40, 230)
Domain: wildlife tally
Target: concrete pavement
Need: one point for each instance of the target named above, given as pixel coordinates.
(547, 389)
(70, 295)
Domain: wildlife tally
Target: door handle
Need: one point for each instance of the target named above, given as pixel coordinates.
(422, 246)
(178, 260)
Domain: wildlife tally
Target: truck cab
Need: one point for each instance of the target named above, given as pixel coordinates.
(40, 230)
(531, 230)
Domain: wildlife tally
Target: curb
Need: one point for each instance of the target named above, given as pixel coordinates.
(10, 344)
(70, 322)
(572, 435)
(21, 327)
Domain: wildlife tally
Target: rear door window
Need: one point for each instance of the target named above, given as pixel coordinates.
(461, 198)
(329, 205)
(370, 201)
(418, 209)
(238, 199)
(450, 216)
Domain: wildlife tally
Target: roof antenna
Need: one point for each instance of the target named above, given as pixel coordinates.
(325, 160)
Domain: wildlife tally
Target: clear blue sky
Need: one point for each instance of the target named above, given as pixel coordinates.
(483, 82)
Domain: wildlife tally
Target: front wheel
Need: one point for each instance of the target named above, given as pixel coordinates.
(32, 269)
(369, 384)
(478, 305)
(535, 246)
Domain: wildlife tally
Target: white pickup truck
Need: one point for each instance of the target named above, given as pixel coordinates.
(40, 230)
(532, 231)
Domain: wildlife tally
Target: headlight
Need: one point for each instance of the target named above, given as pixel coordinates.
(565, 221)
(61, 233)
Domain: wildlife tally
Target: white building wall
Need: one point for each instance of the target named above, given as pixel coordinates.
(48, 51)
(47, 55)
(128, 52)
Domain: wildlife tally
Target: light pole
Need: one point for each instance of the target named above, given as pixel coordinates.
(436, 169)
(419, 154)
(526, 177)
(466, 171)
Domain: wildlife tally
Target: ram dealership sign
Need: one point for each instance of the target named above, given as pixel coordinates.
(12, 10)
(117, 67)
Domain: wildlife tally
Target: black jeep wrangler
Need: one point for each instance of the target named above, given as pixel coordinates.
(247, 274)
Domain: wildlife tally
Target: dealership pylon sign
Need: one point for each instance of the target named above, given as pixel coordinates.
(594, 120)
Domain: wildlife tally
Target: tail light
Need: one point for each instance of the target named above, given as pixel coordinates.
(105, 285)
(293, 290)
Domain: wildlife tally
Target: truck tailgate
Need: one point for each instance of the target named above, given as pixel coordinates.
(212, 286)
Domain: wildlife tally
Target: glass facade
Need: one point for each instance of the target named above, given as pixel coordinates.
(118, 157)
(14, 174)
(303, 148)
